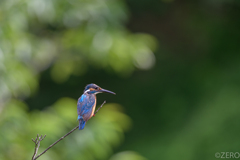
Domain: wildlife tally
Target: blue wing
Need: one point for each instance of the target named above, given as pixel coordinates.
(85, 106)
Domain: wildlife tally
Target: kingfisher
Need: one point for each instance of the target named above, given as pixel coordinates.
(87, 103)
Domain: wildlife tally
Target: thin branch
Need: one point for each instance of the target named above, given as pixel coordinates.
(37, 145)
(39, 139)
(99, 107)
(56, 142)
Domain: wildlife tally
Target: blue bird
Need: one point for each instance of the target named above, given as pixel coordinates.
(87, 103)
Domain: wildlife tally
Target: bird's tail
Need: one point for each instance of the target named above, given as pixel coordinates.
(81, 124)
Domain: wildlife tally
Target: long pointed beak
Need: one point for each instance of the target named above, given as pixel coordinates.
(106, 91)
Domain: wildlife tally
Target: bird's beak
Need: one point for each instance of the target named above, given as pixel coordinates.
(106, 91)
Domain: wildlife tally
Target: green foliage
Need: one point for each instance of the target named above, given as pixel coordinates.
(67, 37)
(127, 155)
(94, 142)
(70, 35)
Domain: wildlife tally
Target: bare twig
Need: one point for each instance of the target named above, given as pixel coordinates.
(99, 107)
(37, 145)
(39, 139)
(56, 142)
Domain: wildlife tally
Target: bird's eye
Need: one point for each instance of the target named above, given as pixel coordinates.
(96, 88)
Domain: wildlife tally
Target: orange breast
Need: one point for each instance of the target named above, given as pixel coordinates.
(93, 109)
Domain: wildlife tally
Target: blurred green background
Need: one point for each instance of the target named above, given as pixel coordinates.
(175, 66)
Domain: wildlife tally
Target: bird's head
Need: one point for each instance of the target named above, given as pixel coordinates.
(94, 89)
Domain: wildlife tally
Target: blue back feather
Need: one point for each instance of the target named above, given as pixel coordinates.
(81, 124)
(85, 106)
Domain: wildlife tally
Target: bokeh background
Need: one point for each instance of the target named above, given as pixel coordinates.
(174, 64)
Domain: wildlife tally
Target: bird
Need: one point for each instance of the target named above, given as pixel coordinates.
(87, 103)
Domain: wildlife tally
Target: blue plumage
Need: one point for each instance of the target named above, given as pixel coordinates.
(86, 107)
(81, 124)
(87, 103)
